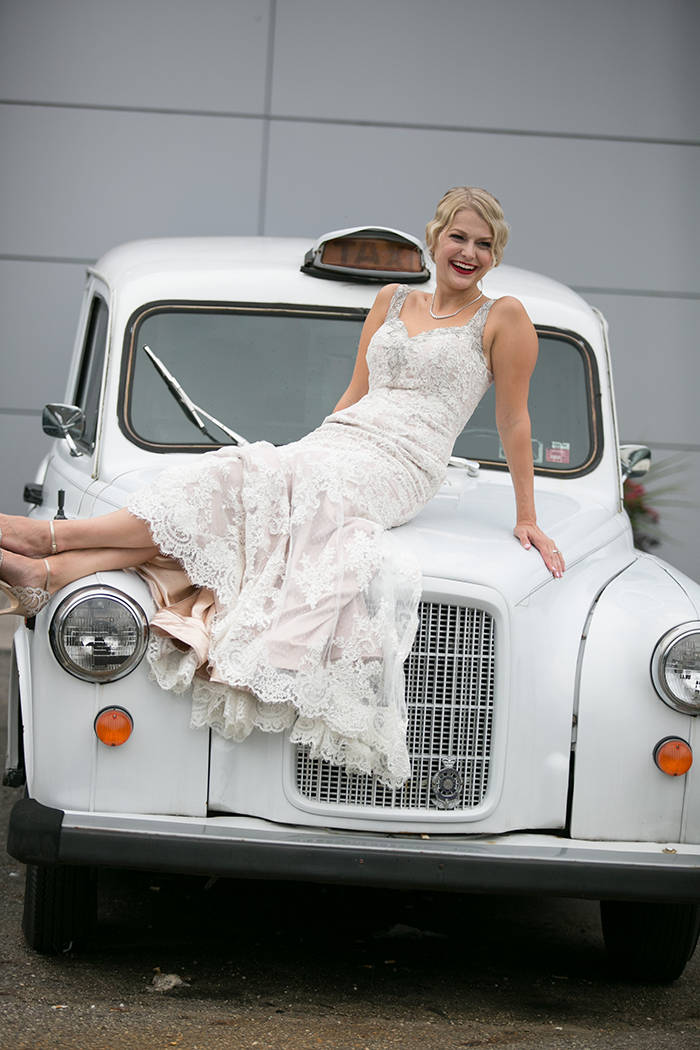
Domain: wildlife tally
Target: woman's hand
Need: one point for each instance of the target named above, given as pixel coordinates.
(530, 535)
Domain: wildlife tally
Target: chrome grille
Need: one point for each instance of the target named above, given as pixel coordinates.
(449, 691)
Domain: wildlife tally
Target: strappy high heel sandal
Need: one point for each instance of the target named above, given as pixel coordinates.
(26, 601)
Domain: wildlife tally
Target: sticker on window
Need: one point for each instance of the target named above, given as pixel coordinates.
(558, 452)
(537, 451)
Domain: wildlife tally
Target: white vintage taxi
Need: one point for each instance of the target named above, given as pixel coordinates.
(552, 722)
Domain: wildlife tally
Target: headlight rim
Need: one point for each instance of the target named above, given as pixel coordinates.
(663, 646)
(68, 604)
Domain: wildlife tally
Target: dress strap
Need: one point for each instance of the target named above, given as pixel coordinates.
(480, 318)
(397, 300)
(482, 313)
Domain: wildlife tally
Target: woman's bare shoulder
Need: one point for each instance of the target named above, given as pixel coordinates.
(381, 304)
(508, 315)
(387, 293)
(509, 328)
(509, 308)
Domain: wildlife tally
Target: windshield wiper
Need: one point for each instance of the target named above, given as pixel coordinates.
(193, 412)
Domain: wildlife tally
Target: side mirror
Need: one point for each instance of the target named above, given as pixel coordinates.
(64, 421)
(635, 461)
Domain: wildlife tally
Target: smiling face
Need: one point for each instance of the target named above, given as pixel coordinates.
(463, 251)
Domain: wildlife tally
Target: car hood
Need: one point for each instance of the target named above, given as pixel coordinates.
(469, 538)
(465, 532)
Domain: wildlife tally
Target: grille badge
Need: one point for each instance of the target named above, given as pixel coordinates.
(447, 784)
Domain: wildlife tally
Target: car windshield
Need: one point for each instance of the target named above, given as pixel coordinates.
(274, 373)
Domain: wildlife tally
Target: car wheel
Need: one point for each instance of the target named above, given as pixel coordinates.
(649, 942)
(60, 907)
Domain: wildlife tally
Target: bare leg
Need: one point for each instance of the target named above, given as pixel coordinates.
(71, 565)
(32, 536)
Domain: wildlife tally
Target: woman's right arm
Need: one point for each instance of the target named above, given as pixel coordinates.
(359, 384)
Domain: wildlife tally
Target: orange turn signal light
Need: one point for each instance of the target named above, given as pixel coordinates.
(114, 726)
(673, 756)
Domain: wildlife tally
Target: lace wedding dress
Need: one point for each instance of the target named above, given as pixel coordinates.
(300, 607)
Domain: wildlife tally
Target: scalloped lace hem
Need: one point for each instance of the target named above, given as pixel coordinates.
(349, 711)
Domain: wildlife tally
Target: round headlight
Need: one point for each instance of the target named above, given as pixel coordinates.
(99, 634)
(675, 668)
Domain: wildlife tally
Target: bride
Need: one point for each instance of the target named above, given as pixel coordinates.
(284, 601)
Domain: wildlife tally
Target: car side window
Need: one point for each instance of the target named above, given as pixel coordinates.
(87, 391)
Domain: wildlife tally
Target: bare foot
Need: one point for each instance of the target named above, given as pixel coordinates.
(28, 536)
(19, 571)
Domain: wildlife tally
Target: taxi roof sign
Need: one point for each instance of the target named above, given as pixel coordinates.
(369, 254)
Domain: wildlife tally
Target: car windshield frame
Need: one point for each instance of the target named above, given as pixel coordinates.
(249, 309)
(131, 343)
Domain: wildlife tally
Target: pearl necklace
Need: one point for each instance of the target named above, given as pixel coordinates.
(443, 317)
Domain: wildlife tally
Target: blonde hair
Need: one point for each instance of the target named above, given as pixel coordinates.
(486, 206)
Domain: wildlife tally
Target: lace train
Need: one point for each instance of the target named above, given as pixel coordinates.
(314, 618)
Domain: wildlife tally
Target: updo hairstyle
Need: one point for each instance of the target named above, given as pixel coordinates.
(486, 207)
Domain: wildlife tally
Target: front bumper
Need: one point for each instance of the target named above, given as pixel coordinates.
(247, 847)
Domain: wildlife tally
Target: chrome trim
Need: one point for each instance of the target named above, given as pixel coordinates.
(658, 662)
(77, 598)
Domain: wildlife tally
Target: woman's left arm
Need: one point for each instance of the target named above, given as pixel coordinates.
(511, 342)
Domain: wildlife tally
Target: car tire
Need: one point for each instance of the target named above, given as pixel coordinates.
(649, 942)
(60, 907)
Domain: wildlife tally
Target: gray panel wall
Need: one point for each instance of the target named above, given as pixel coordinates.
(122, 119)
